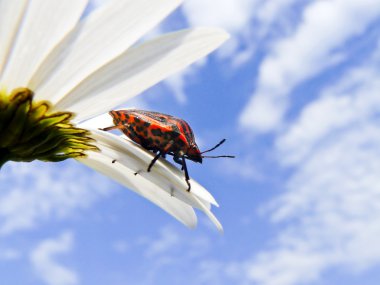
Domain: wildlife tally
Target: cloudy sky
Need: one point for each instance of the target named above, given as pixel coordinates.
(296, 93)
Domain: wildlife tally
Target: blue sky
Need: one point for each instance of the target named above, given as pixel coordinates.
(296, 93)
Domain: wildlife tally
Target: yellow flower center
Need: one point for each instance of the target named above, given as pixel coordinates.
(28, 131)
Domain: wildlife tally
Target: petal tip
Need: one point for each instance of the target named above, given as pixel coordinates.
(217, 33)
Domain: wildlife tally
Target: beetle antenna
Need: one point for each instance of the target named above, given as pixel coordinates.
(211, 149)
(229, 156)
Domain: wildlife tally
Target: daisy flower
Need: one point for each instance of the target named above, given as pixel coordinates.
(59, 68)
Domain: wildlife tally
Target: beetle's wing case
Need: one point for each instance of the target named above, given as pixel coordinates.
(152, 130)
(166, 123)
(185, 129)
(154, 120)
(151, 116)
(177, 124)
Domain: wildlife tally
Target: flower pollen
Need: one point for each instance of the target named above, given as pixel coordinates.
(29, 131)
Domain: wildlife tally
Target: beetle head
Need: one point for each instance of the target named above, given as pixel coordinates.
(194, 154)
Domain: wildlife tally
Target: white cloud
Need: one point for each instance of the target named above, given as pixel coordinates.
(236, 17)
(35, 192)
(325, 27)
(331, 210)
(218, 272)
(178, 82)
(232, 15)
(360, 89)
(168, 241)
(269, 11)
(45, 265)
(174, 250)
(177, 85)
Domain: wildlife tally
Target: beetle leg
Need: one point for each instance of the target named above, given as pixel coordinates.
(112, 128)
(160, 153)
(177, 159)
(184, 167)
(153, 161)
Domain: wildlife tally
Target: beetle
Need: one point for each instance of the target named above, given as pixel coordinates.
(162, 134)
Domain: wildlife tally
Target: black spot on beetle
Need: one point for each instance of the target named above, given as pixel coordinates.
(156, 132)
(149, 141)
(180, 143)
(167, 135)
(174, 134)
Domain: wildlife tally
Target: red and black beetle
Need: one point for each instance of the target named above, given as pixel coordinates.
(163, 134)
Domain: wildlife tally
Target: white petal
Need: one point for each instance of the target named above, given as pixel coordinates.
(99, 122)
(11, 13)
(133, 158)
(212, 217)
(138, 69)
(102, 36)
(45, 23)
(102, 163)
(163, 173)
(137, 159)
